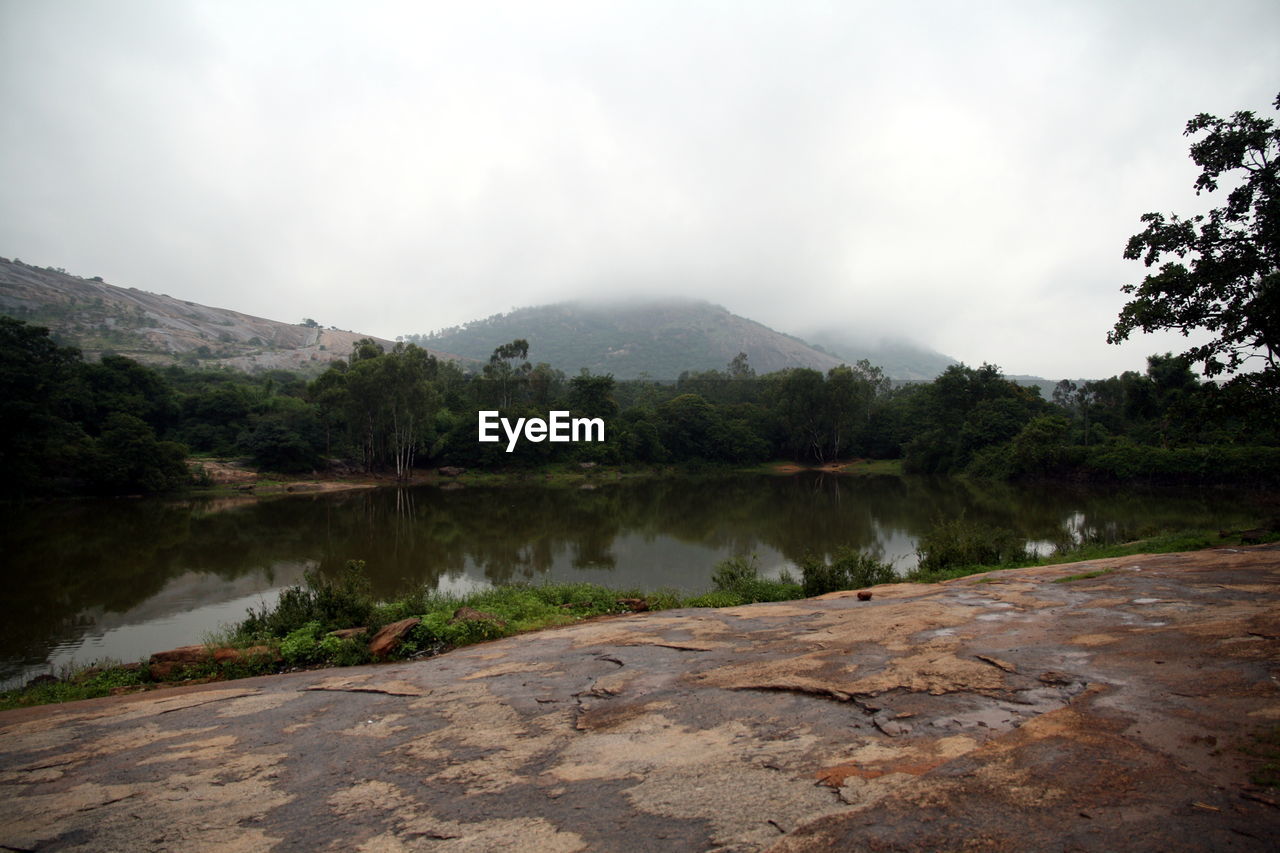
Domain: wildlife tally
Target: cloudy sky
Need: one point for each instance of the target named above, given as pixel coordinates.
(961, 174)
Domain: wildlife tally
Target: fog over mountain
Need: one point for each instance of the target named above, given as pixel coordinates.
(661, 339)
(626, 338)
(962, 177)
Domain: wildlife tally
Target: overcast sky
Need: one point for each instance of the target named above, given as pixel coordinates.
(963, 174)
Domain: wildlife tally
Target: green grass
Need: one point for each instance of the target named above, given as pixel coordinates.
(1168, 542)
(82, 683)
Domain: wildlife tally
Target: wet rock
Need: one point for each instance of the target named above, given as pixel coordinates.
(163, 665)
(385, 641)
(890, 726)
(720, 732)
(1055, 677)
(635, 605)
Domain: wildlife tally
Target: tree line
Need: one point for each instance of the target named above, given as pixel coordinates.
(117, 426)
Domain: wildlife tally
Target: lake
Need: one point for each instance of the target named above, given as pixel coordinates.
(124, 578)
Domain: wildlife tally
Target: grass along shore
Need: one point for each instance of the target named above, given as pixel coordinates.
(329, 621)
(230, 476)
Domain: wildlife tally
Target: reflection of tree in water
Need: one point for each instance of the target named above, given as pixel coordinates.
(510, 532)
(62, 559)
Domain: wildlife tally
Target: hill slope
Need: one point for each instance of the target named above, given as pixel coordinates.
(657, 338)
(900, 359)
(98, 317)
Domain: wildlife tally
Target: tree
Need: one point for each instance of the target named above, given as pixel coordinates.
(740, 369)
(40, 393)
(502, 372)
(389, 403)
(1230, 284)
(592, 395)
(129, 458)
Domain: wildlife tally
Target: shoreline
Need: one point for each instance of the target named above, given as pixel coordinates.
(1028, 708)
(230, 477)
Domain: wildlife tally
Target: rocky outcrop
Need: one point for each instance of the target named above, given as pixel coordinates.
(389, 638)
(164, 665)
(1127, 710)
(159, 329)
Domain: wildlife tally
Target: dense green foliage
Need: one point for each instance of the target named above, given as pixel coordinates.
(962, 544)
(1220, 272)
(116, 426)
(67, 425)
(300, 622)
(848, 569)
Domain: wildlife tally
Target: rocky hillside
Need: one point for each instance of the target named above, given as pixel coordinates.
(657, 338)
(99, 317)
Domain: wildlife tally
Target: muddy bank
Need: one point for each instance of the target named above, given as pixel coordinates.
(1004, 712)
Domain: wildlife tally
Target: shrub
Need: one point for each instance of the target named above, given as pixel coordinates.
(300, 647)
(342, 602)
(960, 543)
(848, 569)
(738, 576)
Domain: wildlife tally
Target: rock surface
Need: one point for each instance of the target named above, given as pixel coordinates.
(390, 636)
(1003, 712)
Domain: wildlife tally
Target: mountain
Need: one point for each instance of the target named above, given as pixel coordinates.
(658, 338)
(98, 317)
(900, 359)
(628, 339)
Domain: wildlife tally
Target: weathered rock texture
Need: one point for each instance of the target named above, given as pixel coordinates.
(996, 713)
(159, 329)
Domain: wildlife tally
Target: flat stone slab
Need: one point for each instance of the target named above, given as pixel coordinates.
(999, 712)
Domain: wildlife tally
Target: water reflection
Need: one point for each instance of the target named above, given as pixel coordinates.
(84, 574)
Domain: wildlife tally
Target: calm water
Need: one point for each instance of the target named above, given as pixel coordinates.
(124, 578)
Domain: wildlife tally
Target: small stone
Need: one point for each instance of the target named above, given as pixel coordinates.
(864, 595)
